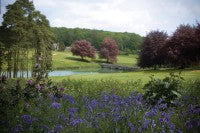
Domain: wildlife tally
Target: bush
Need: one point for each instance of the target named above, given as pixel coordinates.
(166, 89)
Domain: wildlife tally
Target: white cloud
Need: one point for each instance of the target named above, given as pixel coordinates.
(139, 16)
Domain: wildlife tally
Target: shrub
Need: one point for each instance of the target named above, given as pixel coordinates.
(166, 89)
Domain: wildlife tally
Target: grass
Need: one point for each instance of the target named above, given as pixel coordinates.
(65, 60)
(131, 76)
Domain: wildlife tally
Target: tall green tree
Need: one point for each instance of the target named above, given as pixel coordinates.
(43, 40)
(25, 29)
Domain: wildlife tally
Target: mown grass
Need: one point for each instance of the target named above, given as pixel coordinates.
(143, 75)
(65, 60)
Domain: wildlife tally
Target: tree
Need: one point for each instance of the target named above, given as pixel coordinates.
(2, 57)
(43, 40)
(197, 43)
(61, 46)
(152, 52)
(16, 29)
(24, 29)
(181, 47)
(130, 41)
(109, 50)
(83, 48)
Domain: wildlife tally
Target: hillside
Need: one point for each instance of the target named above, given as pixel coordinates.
(126, 41)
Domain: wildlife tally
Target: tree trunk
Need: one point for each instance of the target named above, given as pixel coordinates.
(154, 67)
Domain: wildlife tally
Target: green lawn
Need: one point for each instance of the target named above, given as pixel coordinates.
(65, 60)
(132, 76)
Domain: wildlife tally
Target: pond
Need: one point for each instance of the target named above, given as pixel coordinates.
(69, 72)
(73, 72)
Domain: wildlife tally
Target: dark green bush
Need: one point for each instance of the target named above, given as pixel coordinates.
(166, 89)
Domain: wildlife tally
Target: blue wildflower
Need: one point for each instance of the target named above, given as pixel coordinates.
(55, 105)
(53, 97)
(30, 82)
(146, 123)
(72, 112)
(188, 124)
(131, 126)
(69, 98)
(75, 122)
(26, 119)
(58, 127)
(18, 129)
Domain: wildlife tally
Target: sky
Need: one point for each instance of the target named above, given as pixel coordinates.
(138, 16)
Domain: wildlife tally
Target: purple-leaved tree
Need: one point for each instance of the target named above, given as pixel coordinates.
(83, 48)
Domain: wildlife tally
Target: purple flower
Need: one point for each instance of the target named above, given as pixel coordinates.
(55, 105)
(163, 106)
(26, 119)
(179, 131)
(75, 122)
(18, 129)
(40, 87)
(197, 111)
(131, 126)
(146, 123)
(94, 103)
(72, 112)
(53, 97)
(44, 127)
(58, 127)
(69, 98)
(188, 124)
(139, 129)
(30, 82)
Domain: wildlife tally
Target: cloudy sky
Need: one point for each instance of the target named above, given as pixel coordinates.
(139, 16)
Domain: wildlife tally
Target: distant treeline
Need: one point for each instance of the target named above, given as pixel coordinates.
(127, 42)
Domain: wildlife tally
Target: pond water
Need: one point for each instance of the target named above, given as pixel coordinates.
(72, 72)
(68, 72)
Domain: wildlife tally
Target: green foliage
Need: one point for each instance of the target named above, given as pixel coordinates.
(61, 47)
(24, 29)
(192, 91)
(166, 89)
(125, 40)
(79, 88)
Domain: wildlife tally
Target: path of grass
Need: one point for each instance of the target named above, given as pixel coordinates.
(65, 60)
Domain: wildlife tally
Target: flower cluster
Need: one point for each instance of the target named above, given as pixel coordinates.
(108, 113)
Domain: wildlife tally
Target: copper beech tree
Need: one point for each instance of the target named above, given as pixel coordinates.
(109, 50)
(83, 48)
(152, 53)
(183, 46)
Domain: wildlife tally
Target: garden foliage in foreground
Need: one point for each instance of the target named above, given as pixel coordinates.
(44, 107)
